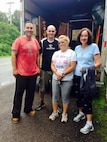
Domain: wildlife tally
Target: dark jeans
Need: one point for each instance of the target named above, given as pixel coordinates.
(23, 83)
(82, 101)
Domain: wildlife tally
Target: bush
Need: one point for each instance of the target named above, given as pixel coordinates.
(8, 34)
(5, 49)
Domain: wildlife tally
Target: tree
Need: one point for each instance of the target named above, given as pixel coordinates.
(3, 17)
(16, 19)
(8, 33)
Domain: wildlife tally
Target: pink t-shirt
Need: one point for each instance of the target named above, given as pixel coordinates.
(27, 52)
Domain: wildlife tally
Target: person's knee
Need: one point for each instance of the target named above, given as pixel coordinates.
(55, 99)
(65, 100)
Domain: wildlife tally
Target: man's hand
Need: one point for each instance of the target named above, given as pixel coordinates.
(15, 72)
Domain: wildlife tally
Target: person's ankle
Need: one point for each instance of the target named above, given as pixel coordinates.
(89, 122)
(81, 113)
(55, 112)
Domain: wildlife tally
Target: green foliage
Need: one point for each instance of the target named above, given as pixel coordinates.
(100, 111)
(3, 17)
(8, 34)
(16, 19)
(5, 50)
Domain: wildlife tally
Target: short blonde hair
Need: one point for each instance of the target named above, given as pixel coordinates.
(66, 38)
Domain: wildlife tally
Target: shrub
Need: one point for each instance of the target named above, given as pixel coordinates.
(8, 34)
(5, 49)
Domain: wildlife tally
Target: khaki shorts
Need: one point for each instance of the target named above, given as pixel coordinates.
(45, 80)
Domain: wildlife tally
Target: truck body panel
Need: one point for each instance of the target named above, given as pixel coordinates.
(69, 16)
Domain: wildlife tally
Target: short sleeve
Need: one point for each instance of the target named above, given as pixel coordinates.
(16, 44)
(73, 56)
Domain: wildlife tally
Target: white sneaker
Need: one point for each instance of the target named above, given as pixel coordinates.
(87, 128)
(53, 116)
(64, 118)
(79, 117)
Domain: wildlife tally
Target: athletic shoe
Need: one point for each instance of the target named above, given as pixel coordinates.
(87, 128)
(40, 106)
(53, 116)
(64, 118)
(79, 117)
(59, 109)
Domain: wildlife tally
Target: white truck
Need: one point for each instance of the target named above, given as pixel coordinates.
(69, 16)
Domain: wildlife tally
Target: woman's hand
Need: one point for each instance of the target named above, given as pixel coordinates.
(59, 75)
(81, 70)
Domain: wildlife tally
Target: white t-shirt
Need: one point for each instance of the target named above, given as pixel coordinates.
(61, 61)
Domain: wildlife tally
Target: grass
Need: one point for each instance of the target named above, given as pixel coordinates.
(100, 111)
(5, 56)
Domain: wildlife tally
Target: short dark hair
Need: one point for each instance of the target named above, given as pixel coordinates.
(90, 36)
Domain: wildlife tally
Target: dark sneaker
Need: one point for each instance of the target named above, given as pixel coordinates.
(40, 106)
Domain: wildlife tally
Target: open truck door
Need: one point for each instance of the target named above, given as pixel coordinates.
(69, 16)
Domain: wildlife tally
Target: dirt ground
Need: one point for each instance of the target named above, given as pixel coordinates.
(39, 128)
